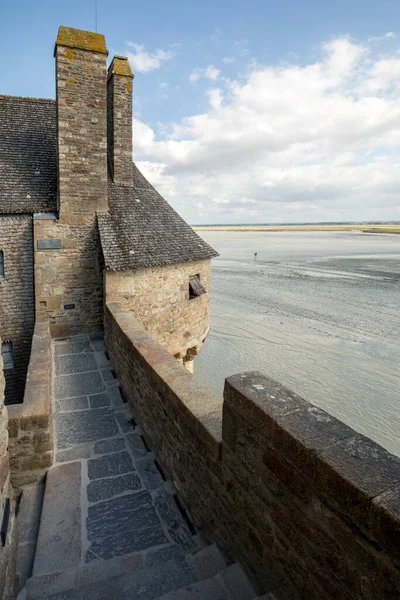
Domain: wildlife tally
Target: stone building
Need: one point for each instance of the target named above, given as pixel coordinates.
(78, 220)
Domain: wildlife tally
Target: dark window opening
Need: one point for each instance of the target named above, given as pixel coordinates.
(7, 354)
(1, 264)
(195, 287)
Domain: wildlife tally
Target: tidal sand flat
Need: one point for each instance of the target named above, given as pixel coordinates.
(319, 312)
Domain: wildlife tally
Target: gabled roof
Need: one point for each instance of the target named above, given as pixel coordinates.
(28, 155)
(142, 230)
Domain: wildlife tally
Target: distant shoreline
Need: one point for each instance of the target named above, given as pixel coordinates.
(366, 228)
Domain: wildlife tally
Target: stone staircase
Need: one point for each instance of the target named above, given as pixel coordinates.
(111, 527)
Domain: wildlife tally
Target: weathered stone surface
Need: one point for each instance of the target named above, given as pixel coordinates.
(136, 445)
(76, 452)
(70, 404)
(201, 590)
(72, 347)
(110, 464)
(99, 400)
(124, 421)
(78, 384)
(108, 446)
(59, 542)
(149, 473)
(160, 556)
(173, 520)
(84, 426)
(108, 530)
(207, 562)
(103, 489)
(74, 363)
(142, 584)
(115, 394)
(108, 374)
(236, 583)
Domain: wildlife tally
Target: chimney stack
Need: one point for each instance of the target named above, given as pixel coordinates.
(82, 122)
(119, 120)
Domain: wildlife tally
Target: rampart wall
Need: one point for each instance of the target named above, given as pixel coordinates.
(7, 505)
(308, 506)
(30, 423)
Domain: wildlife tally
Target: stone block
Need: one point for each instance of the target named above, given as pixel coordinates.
(74, 363)
(107, 525)
(84, 426)
(59, 542)
(110, 464)
(104, 489)
(78, 384)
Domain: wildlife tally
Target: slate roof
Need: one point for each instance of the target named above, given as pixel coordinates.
(28, 155)
(140, 220)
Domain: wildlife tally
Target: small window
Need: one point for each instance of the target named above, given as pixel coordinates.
(1, 264)
(7, 354)
(195, 287)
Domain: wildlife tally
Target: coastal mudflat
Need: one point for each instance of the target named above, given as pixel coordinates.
(319, 312)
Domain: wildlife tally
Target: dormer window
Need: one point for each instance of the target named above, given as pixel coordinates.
(1, 264)
(7, 354)
(195, 287)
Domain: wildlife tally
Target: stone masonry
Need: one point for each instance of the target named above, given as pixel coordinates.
(8, 551)
(69, 274)
(17, 310)
(159, 298)
(119, 120)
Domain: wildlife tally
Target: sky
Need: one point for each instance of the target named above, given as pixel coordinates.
(244, 112)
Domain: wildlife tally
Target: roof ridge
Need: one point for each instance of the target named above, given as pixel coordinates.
(27, 99)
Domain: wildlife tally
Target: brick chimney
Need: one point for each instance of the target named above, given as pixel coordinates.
(119, 120)
(82, 122)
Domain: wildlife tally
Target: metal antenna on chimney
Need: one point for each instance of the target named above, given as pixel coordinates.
(95, 14)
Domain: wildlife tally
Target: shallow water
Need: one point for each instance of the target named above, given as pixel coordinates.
(319, 312)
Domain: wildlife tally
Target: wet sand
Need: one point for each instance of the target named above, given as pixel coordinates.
(317, 311)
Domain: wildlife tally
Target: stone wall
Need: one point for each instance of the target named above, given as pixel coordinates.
(308, 506)
(30, 423)
(8, 552)
(17, 304)
(159, 298)
(68, 276)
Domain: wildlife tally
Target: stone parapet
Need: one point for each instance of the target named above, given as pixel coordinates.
(8, 545)
(30, 423)
(308, 506)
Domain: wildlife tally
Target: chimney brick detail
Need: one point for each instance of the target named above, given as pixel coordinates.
(119, 120)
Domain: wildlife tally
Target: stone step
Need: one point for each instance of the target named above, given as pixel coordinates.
(229, 584)
(235, 583)
(207, 561)
(208, 589)
(28, 518)
(145, 583)
(42, 586)
(59, 541)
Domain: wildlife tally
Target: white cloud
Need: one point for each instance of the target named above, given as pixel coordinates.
(144, 62)
(211, 72)
(381, 38)
(227, 60)
(316, 141)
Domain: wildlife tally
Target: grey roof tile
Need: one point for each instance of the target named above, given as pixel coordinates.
(28, 156)
(142, 230)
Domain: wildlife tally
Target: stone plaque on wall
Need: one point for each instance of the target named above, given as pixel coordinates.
(49, 244)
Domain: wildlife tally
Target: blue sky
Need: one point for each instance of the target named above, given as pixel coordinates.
(246, 112)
